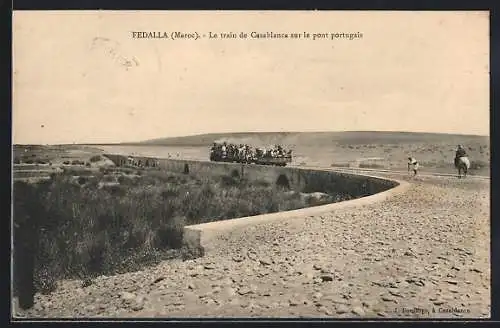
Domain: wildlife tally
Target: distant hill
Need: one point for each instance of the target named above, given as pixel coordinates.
(317, 139)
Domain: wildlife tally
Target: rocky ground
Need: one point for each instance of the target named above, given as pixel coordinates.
(424, 253)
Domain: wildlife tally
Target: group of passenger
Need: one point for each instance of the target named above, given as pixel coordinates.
(244, 152)
(142, 162)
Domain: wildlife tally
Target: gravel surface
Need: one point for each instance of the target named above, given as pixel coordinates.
(421, 254)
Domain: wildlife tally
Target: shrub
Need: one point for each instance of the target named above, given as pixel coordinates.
(17, 160)
(108, 178)
(89, 230)
(260, 183)
(29, 161)
(77, 171)
(170, 234)
(371, 166)
(95, 158)
(229, 181)
(339, 165)
(478, 164)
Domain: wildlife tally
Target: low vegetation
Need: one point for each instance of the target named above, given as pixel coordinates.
(111, 220)
(371, 166)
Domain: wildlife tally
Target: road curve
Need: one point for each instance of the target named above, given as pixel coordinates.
(421, 254)
(390, 172)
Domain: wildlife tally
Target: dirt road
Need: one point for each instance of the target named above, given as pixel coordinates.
(424, 253)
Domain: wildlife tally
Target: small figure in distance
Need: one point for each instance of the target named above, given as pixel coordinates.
(460, 152)
(412, 165)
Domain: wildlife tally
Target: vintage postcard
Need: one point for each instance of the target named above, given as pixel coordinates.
(305, 164)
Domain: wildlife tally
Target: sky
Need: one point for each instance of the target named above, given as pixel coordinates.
(81, 77)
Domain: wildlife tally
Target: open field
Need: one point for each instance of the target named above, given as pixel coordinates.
(52, 154)
(378, 150)
(387, 150)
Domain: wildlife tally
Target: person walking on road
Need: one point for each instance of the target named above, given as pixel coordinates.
(413, 165)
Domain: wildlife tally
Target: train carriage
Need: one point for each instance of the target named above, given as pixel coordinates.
(246, 154)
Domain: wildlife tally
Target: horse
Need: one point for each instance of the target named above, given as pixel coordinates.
(463, 165)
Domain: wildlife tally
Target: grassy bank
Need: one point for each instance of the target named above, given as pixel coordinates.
(105, 221)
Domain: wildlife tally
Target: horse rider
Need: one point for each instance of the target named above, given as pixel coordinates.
(413, 165)
(460, 152)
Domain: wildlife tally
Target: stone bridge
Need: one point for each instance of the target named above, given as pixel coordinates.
(298, 179)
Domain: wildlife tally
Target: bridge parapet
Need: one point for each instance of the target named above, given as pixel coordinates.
(299, 179)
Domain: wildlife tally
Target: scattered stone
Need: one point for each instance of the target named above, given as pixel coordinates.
(265, 261)
(453, 282)
(395, 293)
(326, 278)
(455, 268)
(358, 311)
(86, 282)
(293, 302)
(191, 286)
(209, 266)
(476, 270)
(438, 302)
(325, 271)
(157, 280)
(126, 296)
(418, 282)
(317, 267)
(138, 307)
(244, 291)
(325, 310)
(389, 299)
(381, 314)
(317, 280)
(238, 258)
(346, 296)
(252, 255)
(228, 292)
(309, 275)
(338, 300)
(342, 309)
(317, 295)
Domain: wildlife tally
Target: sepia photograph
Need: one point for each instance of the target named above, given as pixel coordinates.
(250, 164)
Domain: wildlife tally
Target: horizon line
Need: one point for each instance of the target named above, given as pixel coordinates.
(250, 132)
